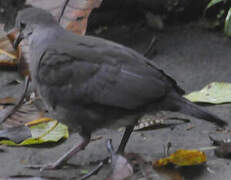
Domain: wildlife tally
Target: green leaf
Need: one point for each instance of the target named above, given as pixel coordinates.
(84, 171)
(212, 3)
(51, 131)
(227, 29)
(214, 93)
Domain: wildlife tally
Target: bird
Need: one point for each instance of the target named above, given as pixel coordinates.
(91, 83)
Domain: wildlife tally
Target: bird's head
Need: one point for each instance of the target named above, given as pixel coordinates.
(30, 19)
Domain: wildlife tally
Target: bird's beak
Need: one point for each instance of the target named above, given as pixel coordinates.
(17, 40)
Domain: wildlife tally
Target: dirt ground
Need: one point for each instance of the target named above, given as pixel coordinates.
(190, 54)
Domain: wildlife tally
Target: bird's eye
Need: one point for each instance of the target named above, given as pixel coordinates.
(22, 25)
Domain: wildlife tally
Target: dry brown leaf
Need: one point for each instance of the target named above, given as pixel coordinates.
(8, 100)
(79, 26)
(8, 56)
(25, 114)
(78, 12)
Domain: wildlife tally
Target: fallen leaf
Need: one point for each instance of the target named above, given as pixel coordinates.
(212, 3)
(214, 93)
(25, 114)
(15, 134)
(121, 168)
(78, 12)
(84, 171)
(50, 131)
(80, 26)
(38, 121)
(7, 100)
(75, 17)
(227, 28)
(8, 56)
(182, 157)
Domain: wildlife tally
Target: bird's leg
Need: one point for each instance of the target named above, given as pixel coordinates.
(74, 150)
(127, 133)
(110, 149)
(113, 153)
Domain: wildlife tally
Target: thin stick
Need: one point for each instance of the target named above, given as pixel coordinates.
(94, 171)
(149, 50)
(19, 103)
(62, 10)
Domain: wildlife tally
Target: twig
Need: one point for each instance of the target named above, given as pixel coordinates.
(62, 10)
(94, 171)
(150, 48)
(110, 149)
(19, 103)
(208, 148)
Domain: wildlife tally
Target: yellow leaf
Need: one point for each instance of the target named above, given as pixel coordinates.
(182, 157)
(38, 121)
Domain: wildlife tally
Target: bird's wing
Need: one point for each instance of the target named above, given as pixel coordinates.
(95, 71)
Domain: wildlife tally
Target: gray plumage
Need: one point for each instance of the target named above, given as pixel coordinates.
(91, 83)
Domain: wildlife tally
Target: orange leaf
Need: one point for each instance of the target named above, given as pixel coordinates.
(78, 12)
(182, 157)
(79, 26)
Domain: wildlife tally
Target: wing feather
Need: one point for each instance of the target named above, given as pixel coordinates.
(101, 72)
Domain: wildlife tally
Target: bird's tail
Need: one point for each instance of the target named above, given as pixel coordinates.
(174, 102)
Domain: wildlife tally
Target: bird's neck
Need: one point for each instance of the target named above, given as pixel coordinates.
(38, 42)
(43, 36)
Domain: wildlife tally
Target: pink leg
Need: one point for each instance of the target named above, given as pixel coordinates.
(74, 150)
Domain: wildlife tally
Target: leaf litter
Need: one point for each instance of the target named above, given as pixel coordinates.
(43, 130)
(214, 93)
(8, 56)
(51, 125)
(80, 10)
(28, 126)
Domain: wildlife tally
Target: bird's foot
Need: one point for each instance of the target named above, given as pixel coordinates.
(42, 167)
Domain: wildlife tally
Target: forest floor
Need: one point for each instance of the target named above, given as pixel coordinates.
(190, 54)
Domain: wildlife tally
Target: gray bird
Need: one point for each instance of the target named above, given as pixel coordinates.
(91, 83)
